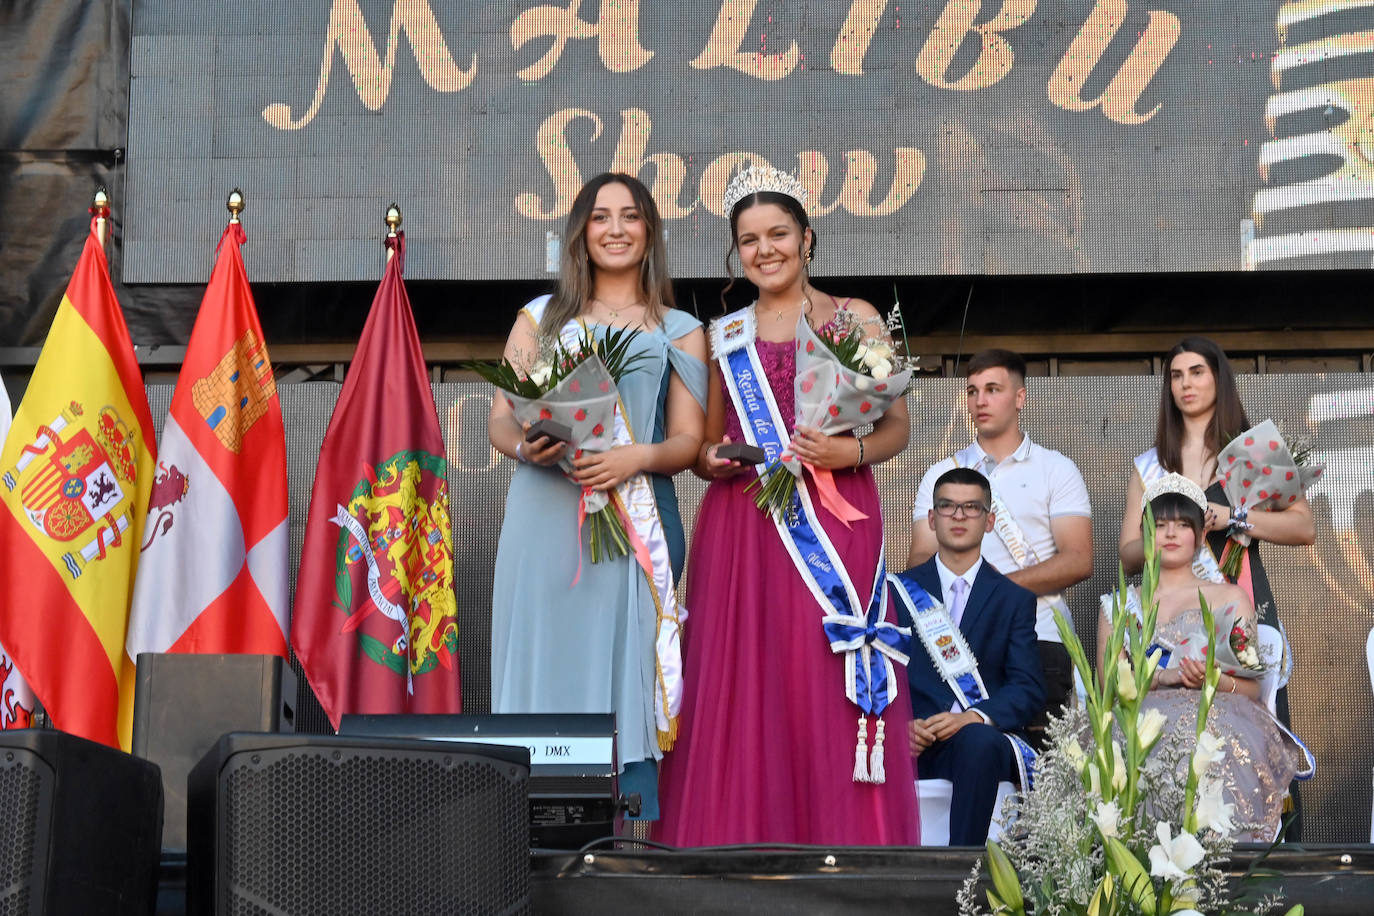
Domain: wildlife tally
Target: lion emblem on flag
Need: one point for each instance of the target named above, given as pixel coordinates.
(395, 541)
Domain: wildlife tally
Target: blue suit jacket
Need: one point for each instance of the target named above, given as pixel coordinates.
(999, 624)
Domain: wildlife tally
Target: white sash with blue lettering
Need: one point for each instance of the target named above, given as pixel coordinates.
(854, 628)
(953, 659)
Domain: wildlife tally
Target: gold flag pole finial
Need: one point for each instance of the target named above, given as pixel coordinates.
(393, 222)
(235, 205)
(100, 208)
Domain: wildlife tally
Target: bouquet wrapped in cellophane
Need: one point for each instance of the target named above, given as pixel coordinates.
(1237, 645)
(1261, 469)
(848, 375)
(574, 385)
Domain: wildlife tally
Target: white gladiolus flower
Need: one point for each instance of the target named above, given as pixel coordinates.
(1152, 661)
(1125, 680)
(1094, 782)
(1118, 767)
(1208, 752)
(1174, 857)
(1108, 819)
(540, 374)
(1072, 750)
(1149, 726)
(1212, 811)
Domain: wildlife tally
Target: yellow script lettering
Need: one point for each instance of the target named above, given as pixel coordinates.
(669, 169)
(558, 161)
(847, 56)
(955, 23)
(1119, 99)
(371, 75)
(722, 48)
(616, 31)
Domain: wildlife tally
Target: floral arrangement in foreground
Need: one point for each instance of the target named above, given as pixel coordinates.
(572, 382)
(1109, 830)
(848, 375)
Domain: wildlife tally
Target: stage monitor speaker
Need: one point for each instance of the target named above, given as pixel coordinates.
(81, 825)
(183, 703)
(304, 825)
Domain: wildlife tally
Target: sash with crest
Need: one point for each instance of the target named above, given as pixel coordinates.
(953, 660)
(1205, 563)
(634, 501)
(854, 628)
(1006, 527)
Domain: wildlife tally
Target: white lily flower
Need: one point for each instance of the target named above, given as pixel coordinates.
(1148, 727)
(1107, 817)
(1208, 751)
(1125, 680)
(1212, 811)
(540, 374)
(1174, 857)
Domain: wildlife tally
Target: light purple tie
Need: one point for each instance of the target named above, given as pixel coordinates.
(959, 590)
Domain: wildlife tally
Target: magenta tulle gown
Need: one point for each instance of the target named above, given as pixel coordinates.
(765, 750)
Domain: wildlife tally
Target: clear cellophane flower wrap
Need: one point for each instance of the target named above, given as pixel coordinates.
(834, 393)
(585, 401)
(1260, 469)
(1237, 645)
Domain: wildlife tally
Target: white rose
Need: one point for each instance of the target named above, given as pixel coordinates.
(882, 348)
(882, 370)
(540, 374)
(861, 381)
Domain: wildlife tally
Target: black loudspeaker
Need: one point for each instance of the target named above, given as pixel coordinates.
(306, 824)
(80, 825)
(183, 703)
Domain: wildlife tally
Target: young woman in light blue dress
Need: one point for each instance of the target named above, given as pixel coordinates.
(557, 647)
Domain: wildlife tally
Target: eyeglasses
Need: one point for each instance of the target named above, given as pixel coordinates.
(948, 508)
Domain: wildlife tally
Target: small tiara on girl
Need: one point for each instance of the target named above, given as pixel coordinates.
(1176, 483)
(755, 178)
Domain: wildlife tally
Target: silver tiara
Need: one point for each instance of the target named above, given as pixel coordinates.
(1176, 483)
(756, 178)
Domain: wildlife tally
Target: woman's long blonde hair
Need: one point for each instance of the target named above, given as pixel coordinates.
(576, 274)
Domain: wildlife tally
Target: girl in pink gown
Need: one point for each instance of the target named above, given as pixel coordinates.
(766, 742)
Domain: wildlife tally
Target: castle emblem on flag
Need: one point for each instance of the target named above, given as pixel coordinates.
(395, 532)
(77, 483)
(237, 392)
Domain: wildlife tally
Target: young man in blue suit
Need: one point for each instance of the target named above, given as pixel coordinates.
(969, 746)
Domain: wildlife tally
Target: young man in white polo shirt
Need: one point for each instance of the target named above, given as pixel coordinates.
(1043, 536)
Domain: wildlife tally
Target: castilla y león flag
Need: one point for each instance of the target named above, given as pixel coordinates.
(213, 576)
(76, 471)
(376, 623)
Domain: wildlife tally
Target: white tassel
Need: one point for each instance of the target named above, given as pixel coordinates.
(861, 752)
(877, 773)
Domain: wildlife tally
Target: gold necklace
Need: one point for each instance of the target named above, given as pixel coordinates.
(615, 312)
(777, 315)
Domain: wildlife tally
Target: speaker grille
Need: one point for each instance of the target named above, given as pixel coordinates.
(369, 831)
(21, 789)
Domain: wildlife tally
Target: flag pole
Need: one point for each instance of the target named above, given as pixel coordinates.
(100, 209)
(234, 205)
(393, 222)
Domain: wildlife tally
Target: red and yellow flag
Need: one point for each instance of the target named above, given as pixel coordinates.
(75, 475)
(375, 624)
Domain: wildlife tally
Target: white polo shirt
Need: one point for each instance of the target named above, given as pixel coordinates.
(1037, 485)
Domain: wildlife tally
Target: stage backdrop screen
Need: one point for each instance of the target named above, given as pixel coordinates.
(946, 136)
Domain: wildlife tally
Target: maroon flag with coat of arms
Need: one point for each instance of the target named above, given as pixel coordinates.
(375, 621)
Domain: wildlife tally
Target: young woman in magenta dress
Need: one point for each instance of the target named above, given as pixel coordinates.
(766, 748)
(591, 646)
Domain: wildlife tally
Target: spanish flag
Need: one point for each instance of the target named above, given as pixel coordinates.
(75, 475)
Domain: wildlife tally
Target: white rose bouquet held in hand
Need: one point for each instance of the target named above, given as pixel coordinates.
(1261, 469)
(574, 385)
(848, 375)
(1237, 647)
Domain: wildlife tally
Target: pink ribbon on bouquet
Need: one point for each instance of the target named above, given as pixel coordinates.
(640, 548)
(830, 497)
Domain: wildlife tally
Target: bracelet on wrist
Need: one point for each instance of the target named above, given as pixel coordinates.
(860, 460)
(520, 452)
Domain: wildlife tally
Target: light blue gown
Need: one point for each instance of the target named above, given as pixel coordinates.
(556, 647)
